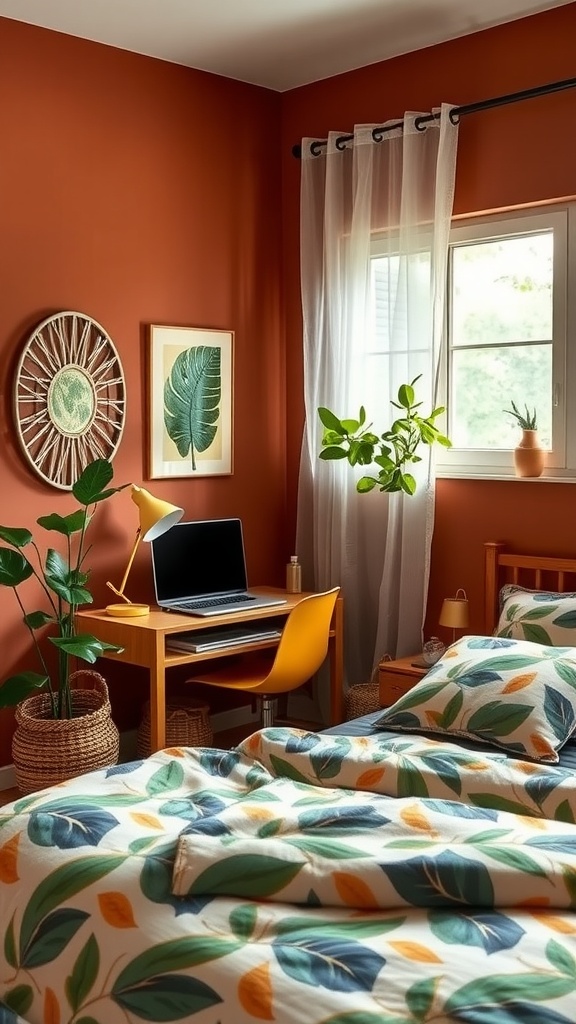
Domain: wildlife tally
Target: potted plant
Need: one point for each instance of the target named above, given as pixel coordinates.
(392, 451)
(526, 420)
(529, 456)
(60, 711)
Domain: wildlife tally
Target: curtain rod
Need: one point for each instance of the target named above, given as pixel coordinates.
(455, 114)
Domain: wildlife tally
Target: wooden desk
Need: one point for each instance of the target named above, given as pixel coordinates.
(143, 640)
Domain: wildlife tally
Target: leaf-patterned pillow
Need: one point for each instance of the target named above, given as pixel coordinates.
(513, 694)
(544, 617)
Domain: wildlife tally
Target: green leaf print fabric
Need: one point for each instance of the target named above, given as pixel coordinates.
(513, 694)
(377, 880)
(543, 617)
(337, 848)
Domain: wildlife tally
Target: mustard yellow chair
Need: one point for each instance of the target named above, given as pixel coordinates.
(300, 652)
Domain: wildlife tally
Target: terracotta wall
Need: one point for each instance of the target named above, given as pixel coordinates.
(508, 156)
(139, 192)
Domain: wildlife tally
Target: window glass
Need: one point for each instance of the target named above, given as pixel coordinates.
(485, 380)
(500, 338)
(392, 332)
(502, 290)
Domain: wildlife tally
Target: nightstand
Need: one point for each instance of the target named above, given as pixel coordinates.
(395, 678)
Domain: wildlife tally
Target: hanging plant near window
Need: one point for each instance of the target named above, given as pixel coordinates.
(192, 400)
(392, 451)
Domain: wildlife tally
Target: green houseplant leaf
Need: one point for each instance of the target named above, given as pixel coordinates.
(14, 568)
(392, 451)
(64, 583)
(17, 538)
(17, 688)
(192, 395)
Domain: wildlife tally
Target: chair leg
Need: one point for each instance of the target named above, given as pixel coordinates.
(267, 716)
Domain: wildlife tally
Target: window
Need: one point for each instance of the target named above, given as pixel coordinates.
(510, 309)
(506, 328)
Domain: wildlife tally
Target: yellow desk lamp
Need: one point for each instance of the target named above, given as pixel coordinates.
(156, 518)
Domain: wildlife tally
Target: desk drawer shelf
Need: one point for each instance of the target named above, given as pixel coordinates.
(182, 658)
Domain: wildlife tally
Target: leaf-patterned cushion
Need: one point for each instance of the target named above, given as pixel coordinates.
(513, 694)
(544, 617)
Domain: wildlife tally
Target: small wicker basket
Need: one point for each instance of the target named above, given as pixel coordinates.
(187, 725)
(47, 751)
(361, 699)
(364, 698)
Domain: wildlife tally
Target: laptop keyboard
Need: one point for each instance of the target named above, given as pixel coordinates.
(217, 602)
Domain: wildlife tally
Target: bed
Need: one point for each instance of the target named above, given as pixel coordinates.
(363, 875)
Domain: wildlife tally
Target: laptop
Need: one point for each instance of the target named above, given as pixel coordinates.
(199, 568)
(218, 639)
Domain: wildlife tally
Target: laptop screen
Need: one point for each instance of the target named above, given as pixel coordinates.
(199, 558)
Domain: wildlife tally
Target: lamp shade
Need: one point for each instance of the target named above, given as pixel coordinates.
(156, 515)
(455, 613)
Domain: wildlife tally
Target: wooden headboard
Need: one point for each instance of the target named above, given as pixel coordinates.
(538, 572)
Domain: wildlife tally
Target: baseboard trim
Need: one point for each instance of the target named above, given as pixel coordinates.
(300, 708)
(220, 721)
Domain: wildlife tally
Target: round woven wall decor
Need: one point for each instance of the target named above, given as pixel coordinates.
(69, 397)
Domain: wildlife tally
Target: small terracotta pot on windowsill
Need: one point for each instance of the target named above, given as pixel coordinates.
(529, 456)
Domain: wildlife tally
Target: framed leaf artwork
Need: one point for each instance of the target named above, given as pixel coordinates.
(190, 414)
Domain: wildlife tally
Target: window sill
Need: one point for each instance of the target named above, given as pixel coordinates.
(474, 474)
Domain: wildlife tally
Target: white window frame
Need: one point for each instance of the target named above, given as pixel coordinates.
(561, 461)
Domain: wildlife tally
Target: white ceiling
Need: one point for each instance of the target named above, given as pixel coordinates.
(279, 44)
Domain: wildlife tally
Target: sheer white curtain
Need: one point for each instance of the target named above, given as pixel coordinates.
(393, 195)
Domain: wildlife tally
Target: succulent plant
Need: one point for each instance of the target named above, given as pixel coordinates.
(527, 420)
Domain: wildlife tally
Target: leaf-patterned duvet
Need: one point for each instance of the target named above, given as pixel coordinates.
(302, 878)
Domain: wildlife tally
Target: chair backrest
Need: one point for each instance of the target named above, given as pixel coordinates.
(304, 643)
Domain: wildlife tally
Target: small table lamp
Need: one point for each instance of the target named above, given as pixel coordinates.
(156, 518)
(455, 613)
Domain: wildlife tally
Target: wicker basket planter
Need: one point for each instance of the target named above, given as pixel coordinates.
(46, 751)
(187, 725)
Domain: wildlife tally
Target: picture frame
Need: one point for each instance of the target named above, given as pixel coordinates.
(190, 402)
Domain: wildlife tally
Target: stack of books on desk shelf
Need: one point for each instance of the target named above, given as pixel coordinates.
(197, 641)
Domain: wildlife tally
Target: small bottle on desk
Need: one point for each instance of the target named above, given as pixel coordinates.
(293, 576)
